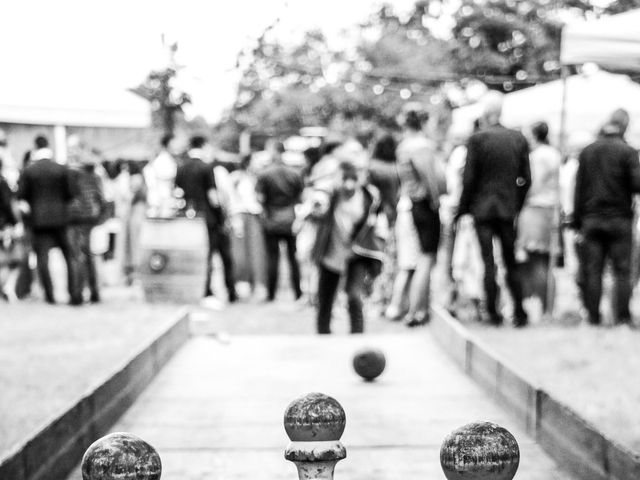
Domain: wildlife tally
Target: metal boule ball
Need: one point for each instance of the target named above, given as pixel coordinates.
(369, 363)
(121, 456)
(315, 417)
(480, 451)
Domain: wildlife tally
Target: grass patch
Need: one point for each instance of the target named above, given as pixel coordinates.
(52, 355)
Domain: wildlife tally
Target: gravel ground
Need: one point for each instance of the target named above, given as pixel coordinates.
(50, 356)
(59, 353)
(285, 317)
(593, 370)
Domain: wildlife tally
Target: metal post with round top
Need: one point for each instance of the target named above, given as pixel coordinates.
(121, 456)
(314, 423)
(480, 451)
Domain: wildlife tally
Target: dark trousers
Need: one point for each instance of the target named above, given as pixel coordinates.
(43, 241)
(607, 238)
(534, 277)
(505, 231)
(219, 242)
(80, 237)
(355, 288)
(272, 242)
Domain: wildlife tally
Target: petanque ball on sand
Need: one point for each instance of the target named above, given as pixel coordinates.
(369, 363)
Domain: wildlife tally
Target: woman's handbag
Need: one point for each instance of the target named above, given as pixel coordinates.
(279, 220)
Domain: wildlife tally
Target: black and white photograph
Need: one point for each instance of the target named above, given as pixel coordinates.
(351, 240)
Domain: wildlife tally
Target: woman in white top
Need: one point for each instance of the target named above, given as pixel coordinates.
(422, 180)
(247, 247)
(538, 223)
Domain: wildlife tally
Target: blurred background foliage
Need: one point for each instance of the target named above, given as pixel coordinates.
(430, 54)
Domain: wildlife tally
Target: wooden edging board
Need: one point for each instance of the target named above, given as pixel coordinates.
(567, 437)
(53, 452)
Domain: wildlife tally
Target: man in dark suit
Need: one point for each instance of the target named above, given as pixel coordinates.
(197, 181)
(608, 176)
(47, 189)
(496, 179)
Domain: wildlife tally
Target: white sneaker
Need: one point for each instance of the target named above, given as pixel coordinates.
(212, 303)
(243, 289)
(393, 313)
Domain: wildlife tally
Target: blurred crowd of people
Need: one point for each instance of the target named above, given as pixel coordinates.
(374, 219)
(49, 205)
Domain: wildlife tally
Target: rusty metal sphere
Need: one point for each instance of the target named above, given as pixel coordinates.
(315, 417)
(121, 456)
(369, 363)
(480, 451)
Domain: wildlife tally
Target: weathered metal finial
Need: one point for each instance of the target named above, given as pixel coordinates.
(121, 456)
(480, 451)
(314, 423)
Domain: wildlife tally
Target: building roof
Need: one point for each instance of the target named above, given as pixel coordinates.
(38, 104)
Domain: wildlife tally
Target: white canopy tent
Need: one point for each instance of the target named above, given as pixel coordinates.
(590, 99)
(611, 42)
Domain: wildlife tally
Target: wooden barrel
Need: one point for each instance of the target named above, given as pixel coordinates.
(173, 256)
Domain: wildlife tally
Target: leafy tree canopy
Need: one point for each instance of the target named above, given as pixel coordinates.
(392, 57)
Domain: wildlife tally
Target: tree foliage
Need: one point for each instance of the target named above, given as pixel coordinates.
(166, 100)
(392, 57)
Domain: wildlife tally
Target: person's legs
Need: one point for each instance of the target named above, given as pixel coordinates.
(272, 244)
(620, 248)
(543, 284)
(484, 231)
(241, 252)
(4, 275)
(449, 232)
(224, 249)
(427, 223)
(42, 243)
(399, 295)
(74, 235)
(355, 287)
(419, 292)
(593, 253)
(9, 286)
(580, 265)
(90, 263)
(525, 270)
(327, 287)
(24, 277)
(294, 267)
(213, 246)
(70, 255)
(507, 235)
(256, 262)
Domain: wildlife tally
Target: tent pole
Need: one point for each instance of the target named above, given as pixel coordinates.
(556, 234)
(562, 141)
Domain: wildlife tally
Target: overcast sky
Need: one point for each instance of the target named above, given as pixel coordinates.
(94, 45)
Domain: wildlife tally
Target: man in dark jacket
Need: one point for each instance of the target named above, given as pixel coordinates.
(279, 188)
(197, 180)
(496, 179)
(86, 211)
(346, 245)
(47, 188)
(608, 175)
